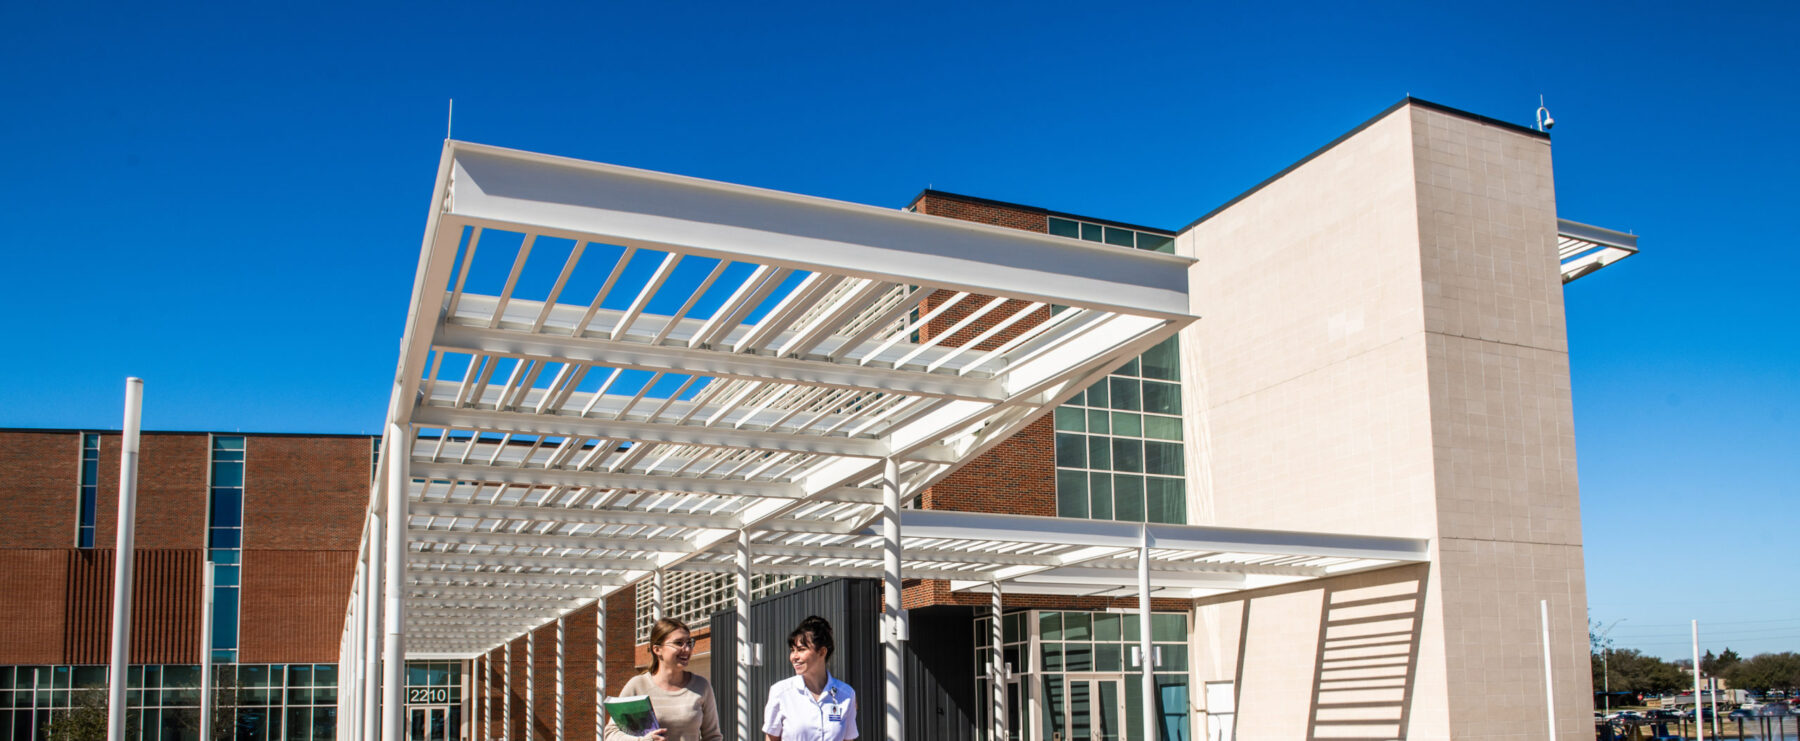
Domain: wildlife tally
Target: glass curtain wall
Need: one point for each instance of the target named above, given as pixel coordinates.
(1075, 675)
(254, 702)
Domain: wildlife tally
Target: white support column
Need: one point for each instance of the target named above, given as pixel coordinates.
(373, 594)
(562, 639)
(350, 661)
(487, 696)
(741, 601)
(997, 668)
(1147, 657)
(393, 678)
(1549, 684)
(506, 681)
(892, 657)
(530, 682)
(127, 527)
(599, 668)
(657, 596)
(206, 658)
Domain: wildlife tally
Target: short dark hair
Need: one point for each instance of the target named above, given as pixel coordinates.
(816, 631)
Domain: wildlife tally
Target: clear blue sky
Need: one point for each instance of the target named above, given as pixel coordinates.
(227, 200)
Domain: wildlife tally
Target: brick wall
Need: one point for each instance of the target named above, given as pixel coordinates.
(293, 603)
(40, 485)
(39, 476)
(305, 493)
(58, 606)
(1019, 475)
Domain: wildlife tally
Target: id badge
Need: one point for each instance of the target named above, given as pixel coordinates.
(834, 713)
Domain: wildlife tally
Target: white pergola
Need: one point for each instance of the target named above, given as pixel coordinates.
(609, 373)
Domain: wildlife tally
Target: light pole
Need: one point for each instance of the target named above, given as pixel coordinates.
(1605, 671)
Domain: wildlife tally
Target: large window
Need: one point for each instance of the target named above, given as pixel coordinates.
(1083, 671)
(253, 702)
(225, 541)
(1113, 235)
(1119, 452)
(90, 490)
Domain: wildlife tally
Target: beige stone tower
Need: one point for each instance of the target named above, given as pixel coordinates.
(1382, 351)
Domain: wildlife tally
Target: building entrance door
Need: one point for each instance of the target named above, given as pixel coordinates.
(1096, 708)
(430, 723)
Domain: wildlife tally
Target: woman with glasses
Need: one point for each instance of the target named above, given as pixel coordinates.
(811, 705)
(683, 700)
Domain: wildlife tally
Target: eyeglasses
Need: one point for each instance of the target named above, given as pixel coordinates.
(689, 643)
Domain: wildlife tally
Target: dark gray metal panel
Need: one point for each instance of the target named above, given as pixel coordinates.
(853, 606)
(940, 684)
(940, 675)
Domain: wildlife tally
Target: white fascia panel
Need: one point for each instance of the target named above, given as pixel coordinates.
(640, 356)
(542, 425)
(1075, 532)
(600, 480)
(631, 207)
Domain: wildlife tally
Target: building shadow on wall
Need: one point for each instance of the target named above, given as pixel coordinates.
(1368, 656)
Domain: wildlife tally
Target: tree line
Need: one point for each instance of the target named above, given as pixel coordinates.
(1630, 670)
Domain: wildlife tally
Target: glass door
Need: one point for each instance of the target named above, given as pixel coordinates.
(430, 723)
(1095, 708)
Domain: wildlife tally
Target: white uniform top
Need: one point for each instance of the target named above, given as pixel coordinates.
(793, 714)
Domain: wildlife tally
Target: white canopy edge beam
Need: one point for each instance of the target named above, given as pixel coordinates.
(589, 516)
(872, 552)
(869, 572)
(536, 193)
(544, 561)
(1585, 248)
(537, 540)
(541, 477)
(637, 356)
(544, 592)
(1070, 531)
(504, 578)
(559, 425)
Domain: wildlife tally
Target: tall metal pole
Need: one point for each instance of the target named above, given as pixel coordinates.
(741, 621)
(506, 686)
(1549, 687)
(997, 668)
(393, 678)
(530, 683)
(1147, 656)
(891, 654)
(1605, 670)
(600, 668)
(1699, 724)
(206, 657)
(562, 638)
(121, 624)
(372, 627)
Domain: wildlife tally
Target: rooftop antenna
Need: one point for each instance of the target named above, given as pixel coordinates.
(449, 118)
(1544, 121)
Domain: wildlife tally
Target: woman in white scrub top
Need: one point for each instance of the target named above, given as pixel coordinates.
(811, 705)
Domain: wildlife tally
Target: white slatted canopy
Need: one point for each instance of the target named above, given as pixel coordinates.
(608, 371)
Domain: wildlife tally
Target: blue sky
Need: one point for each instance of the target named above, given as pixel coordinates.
(227, 199)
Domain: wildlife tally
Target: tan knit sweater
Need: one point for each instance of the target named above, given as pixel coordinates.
(689, 713)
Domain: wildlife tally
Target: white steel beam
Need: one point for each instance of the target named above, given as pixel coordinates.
(536, 540)
(712, 363)
(618, 205)
(562, 425)
(1074, 532)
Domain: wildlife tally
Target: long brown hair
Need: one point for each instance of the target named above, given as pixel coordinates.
(660, 632)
